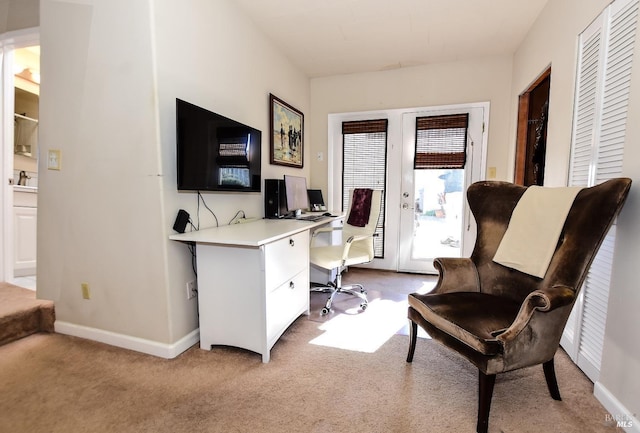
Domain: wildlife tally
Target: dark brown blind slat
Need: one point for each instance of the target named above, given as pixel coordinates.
(440, 160)
(441, 141)
(364, 126)
(443, 122)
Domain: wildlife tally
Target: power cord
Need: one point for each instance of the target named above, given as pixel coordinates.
(240, 212)
(192, 250)
(200, 197)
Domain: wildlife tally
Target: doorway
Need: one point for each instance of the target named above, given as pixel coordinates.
(400, 193)
(20, 59)
(442, 156)
(531, 140)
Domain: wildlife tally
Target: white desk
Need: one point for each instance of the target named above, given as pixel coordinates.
(253, 281)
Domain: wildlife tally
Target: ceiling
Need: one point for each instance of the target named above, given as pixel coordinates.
(331, 37)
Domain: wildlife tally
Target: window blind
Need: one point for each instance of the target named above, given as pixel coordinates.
(441, 141)
(364, 165)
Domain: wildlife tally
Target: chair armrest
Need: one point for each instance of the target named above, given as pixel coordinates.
(357, 238)
(543, 300)
(322, 230)
(456, 275)
(548, 299)
(350, 241)
(534, 335)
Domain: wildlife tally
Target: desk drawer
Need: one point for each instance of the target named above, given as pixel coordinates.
(285, 258)
(286, 303)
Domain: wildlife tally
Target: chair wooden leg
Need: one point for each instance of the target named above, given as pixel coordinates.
(413, 334)
(552, 383)
(485, 392)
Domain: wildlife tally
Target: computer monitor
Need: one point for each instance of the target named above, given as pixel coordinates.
(296, 192)
(316, 202)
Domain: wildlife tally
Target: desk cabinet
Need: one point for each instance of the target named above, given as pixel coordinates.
(248, 296)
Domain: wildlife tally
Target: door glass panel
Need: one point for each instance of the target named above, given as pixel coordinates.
(364, 165)
(435, 219)
(438, 213)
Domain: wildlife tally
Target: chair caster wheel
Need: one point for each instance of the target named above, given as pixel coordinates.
(364, 306)
(324, 311)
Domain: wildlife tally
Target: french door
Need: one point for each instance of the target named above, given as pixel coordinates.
(434, 218)
(406, 226)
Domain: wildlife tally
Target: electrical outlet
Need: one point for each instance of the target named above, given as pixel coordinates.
(86, 293)
(192, 290)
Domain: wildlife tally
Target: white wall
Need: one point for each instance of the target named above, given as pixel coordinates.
(446, 84)
(100, 216)
(18, 14)
(486, 80)
(110, 74)
(621, 355)
(553, 40)
(209, 54)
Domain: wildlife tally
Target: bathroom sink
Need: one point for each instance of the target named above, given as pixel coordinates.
(23, 188)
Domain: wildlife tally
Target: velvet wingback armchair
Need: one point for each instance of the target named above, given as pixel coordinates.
(502, 319)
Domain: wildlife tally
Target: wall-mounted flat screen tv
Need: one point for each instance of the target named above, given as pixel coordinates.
(215, 153)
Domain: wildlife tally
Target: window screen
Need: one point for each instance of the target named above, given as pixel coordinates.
(364, 165)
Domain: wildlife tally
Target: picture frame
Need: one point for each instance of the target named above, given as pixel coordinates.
(286, 133)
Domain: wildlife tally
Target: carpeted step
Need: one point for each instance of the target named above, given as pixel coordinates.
(21, 314)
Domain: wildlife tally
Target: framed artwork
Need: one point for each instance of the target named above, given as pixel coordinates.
(287, 133)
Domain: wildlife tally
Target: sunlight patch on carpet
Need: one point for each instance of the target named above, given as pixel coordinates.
(427, 286)
(364, 331)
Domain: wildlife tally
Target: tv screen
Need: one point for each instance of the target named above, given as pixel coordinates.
(215, 153)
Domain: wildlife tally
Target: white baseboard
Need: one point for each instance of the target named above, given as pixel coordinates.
(149, 347)
(622, 417)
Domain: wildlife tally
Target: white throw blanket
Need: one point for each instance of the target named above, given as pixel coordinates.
(535, 226)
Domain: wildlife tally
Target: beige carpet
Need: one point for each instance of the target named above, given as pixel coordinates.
(55, 383)
(21, 314)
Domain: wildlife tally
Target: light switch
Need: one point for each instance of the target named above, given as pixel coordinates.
(491, 173)
(53, 159)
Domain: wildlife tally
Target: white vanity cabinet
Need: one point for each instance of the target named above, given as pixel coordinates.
(25, 217)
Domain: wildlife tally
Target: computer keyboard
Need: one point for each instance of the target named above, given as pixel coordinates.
(311, 217)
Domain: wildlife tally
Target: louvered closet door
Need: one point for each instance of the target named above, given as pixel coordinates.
(602, 93)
